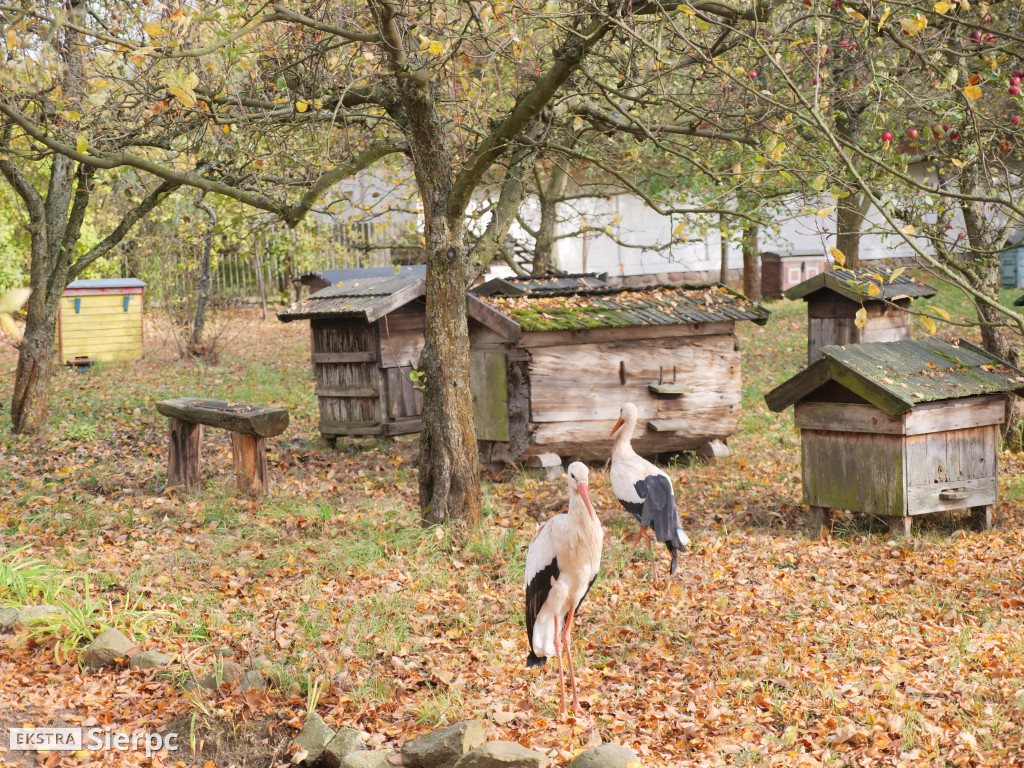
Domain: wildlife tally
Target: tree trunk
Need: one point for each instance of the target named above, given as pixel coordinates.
(449, 477)
(723, 250)
(848, 225)
(30, 402)
(543, 252)
(751, 264)
(195, 342)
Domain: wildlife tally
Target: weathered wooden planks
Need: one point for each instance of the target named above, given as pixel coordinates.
(255, 420)
(184, 453)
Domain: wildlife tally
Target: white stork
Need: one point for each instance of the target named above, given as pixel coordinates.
(645, 491)
(561, 564)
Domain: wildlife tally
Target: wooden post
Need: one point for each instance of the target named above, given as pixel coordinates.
(981, 518)
(900, 525)
(249, 457)
(183, 457)
(821, 517)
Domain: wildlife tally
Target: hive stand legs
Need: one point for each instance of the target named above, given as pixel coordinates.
(249, 457)
(183, 458)
(981, 518)
(900, 525)
(821, 517)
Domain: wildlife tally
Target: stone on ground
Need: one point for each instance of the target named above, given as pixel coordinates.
(150, 660)
(502, 754)
(443, 748)
(604, 756)
(345, 742)
(106, 649)
(315, 737)
(35, 612)
(8, 618)
(251, 679)
(226, 671)
(376, 759)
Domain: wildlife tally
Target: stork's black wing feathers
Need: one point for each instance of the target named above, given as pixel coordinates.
(536, 594)
(659, 513)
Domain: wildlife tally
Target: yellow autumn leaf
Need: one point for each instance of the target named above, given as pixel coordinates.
(941, 312)
(70, 114)
(182, 87)
(819, 182)
(838, 256)
(972, 92)
(779, 151)
(824, 212)
(885, 16)
(436, 48)
(896, 273)
(929, 324)
(861, 318)
(12, 39)
(854, 14)
(577, 123)
(941, 7)
(873, 289)
(153, 29)
(914, 24)
(301, 105)
(680, 229)
(82, 144)
(908, 230)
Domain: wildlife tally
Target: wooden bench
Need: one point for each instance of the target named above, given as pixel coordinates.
(249, 425)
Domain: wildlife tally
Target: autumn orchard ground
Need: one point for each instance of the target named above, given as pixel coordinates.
(770, 649)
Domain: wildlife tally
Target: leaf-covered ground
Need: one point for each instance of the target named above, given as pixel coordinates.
(770, 649)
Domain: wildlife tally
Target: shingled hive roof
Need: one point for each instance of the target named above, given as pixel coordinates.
(544, 285)
(865, 283)
(897, 375)
(366, 298)
(657, 305)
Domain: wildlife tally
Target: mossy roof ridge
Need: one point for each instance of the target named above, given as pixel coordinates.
(657, 305)
(864, 283)
(897, 375)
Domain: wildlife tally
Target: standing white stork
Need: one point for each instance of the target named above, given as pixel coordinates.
(645, 491)
(561, 564)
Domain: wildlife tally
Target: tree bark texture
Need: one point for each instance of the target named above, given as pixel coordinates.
(723, 250)
(543, 251)
(848, 225)
(203, 294)
(751, 264)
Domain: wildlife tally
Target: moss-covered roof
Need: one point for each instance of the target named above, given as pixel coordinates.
(865, 283)
(657, 305)
(897, 375)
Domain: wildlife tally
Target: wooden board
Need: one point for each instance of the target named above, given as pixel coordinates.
(846, 417)
(403, 399)
(489, 387)
(254, 420)
(537, 339)
(334, 336)
(922, 499)
(963, 413)
(952, 456)
(856, 471)
(249, 458)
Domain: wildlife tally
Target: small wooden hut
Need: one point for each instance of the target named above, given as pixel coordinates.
(778, 272)
(367, 335)
(100, 320)
(900, 429)
(834, 298)
(553, 376)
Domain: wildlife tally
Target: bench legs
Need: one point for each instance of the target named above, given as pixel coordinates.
(249, 456)
(183, 458)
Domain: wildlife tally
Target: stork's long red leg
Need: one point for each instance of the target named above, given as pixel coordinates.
(650, 552)
(561, 678)
(567, 642)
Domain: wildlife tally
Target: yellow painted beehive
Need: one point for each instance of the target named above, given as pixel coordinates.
(101, 320)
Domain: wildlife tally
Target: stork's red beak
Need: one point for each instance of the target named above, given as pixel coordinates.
(616, 427)
(581, 489)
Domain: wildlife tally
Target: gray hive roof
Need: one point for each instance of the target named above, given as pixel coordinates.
(367, 298)
(335, 276)
(897, 375)
(657, 305)
(855, 284)
(113, 282)
(545, 285)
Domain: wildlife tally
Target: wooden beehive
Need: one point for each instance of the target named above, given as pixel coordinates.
(834, 297)
(100, 320)
(367, 335)
(778, 273)
(553, 377)
(900, 429)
